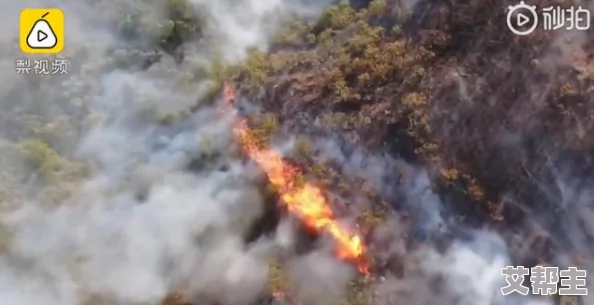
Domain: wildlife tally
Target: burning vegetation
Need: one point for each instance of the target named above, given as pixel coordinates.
(445, 85)
(306, 201)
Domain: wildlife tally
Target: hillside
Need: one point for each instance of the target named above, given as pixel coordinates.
(445, 144)
(499, 120)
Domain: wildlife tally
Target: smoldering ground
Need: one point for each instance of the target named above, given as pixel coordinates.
(423, 254)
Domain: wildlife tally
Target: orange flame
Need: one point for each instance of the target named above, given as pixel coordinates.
(305, 201)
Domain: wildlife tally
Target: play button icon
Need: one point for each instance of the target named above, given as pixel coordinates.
(522, 19)
(41, 36)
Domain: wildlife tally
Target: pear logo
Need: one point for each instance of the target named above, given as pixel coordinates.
(41, 35)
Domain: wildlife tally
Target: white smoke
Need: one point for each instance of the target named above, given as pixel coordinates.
(467, 271)
(241, 25)
(104, 241)
(141, 225)
(318, 278)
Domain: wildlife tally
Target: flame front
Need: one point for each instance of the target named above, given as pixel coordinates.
(305, 201)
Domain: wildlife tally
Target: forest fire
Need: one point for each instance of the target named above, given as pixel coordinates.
(305, 201)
